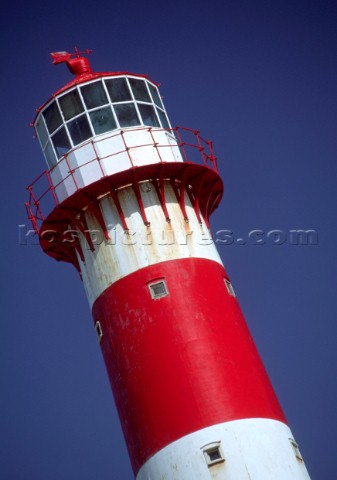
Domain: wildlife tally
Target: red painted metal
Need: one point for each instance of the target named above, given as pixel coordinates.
(160, 189)
(182, 195)
(36, 205)
(181, 362)
(95, 210)
(135, 186)
(77, 65)
(114, 196)
(195, 201)
(209, 195)
(82, 225)
(43, 181)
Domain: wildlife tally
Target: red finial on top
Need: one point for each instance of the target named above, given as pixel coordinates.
(77, 65)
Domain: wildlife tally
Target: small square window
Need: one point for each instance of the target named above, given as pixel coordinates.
(296, 449)
(229, 287)
(213, 453)
(99, 330)
(158, 289)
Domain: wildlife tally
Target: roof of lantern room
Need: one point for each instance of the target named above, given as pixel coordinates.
(81, 68)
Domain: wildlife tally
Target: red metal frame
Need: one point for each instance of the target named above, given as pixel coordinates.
(201, 182)
(160, 189)
(135, 186)
(116, 201)
(35, 209)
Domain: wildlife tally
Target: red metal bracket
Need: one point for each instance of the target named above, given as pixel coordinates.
(160, 189)
(114, 196)
(197, 196)
(136, 189)
(82, 225)
(180, 193)
(94, 208)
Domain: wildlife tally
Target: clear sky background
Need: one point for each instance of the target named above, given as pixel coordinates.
(259, 79)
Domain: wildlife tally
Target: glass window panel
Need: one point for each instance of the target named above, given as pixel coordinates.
(118, 89)
(61, 142)
(155, 96)
(41, 131)
(79, 129)
(71, 104)
(139, 90)
(127, 115)
(50, 155)
(163, 119)
(102, 120)
(148, 115)
(52, 116)
(94, 95)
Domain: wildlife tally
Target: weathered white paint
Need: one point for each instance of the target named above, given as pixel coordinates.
(254, 449)
(143, 246)
(112, 153)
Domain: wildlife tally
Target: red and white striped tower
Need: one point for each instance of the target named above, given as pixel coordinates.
(131, 200)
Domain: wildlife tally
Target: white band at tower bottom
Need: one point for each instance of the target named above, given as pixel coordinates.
(249, 449)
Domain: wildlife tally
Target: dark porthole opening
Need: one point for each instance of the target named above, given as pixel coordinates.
(99, 330)
(229, 287)
(158, 289)
(213, 453)
(296, 449)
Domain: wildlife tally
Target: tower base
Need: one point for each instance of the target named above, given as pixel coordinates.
(251, 449)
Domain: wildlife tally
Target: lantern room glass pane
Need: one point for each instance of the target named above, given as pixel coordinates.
(148, 115)
(127, 115)
(139, 90)
(52, 117)
(61, 142)
(71, 104)
(94, 95)
(155, 96)
(79, 129)
(163, 119)
(118, 89)
(102, 120)
(41, 131)
(50, 155)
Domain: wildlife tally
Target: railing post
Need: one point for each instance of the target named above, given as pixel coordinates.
(51, 187)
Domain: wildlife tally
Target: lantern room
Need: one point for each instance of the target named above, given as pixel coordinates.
(101, 124)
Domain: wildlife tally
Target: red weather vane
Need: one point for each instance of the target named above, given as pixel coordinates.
(76, 63)
(60, 57)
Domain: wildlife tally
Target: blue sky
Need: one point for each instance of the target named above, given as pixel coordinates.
(259, 79)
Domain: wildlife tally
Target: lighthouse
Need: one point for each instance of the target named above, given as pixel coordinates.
(127, 198)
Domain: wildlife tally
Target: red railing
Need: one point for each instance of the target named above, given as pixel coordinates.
(193, 147)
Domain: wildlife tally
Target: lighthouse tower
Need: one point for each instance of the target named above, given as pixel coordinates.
(127, 200)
